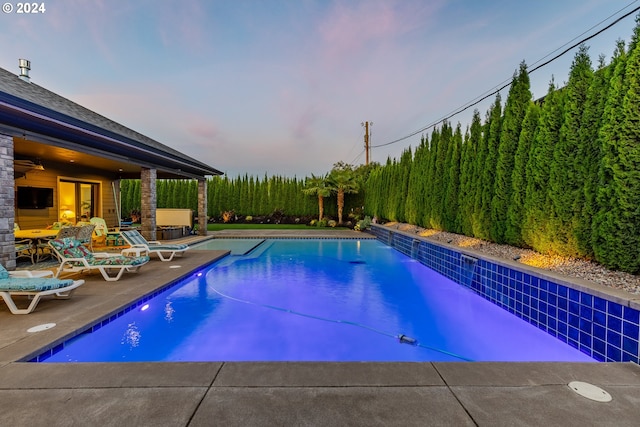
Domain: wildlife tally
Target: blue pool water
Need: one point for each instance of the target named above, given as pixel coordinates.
(317, 300)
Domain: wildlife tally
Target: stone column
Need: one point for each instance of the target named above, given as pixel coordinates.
(149, 202)
(7, 204)
(202, 207)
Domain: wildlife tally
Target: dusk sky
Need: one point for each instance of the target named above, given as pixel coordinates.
(281, 87)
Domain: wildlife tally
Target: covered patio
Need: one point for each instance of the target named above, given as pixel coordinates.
(62, 162)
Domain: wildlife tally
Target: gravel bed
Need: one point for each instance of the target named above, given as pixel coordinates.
(570, 267)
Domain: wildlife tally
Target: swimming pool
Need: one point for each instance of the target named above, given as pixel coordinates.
(317, 300)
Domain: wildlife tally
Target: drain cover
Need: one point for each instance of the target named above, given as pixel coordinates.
(42, 327)
(590, 391)
(175, 266)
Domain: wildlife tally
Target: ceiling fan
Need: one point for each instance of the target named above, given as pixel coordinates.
(24, 166)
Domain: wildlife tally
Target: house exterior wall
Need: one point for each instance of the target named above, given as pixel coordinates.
(49, 178)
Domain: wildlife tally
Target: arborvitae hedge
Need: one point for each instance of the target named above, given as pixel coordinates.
(560, 175)
(245, 195)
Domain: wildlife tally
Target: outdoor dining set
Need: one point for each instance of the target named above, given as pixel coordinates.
(72, 247)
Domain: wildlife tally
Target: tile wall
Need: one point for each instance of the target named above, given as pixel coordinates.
(604, 328)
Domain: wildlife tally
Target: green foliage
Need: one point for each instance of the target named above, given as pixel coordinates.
(342, 180)
(535, 228)
(488, 167)
(514, 113)
(565, 185)
(469, 174)
(587, 161)
(452, 185)
(605, 223)
(363, 224)
(319, 187)
(515, 210)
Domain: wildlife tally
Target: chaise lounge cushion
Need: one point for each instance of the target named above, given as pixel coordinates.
(72, 248)
(33, 284)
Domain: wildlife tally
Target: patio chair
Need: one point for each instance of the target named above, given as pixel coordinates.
(75, 257)
(165, 252)
(35, 285)
(100, 231)
(25, 249)
(43, 249)
(85, 235)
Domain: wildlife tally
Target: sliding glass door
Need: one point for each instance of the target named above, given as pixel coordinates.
(78, 200)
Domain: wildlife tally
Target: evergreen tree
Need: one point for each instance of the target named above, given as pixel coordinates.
(439, 179)
(565, 186)
(468, 174)
(622, 161)
(535, 229)
(477, 188)
(494, 126)
(415, 188)
(515, 211)
(589, 157)
(429, 185)
(514, 113)
(604, 220)
(452, 189)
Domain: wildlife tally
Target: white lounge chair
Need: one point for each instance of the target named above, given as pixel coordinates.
(165, 252)
(34, 285)
(75, 257)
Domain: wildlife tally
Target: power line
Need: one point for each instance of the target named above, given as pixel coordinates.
(504, 85)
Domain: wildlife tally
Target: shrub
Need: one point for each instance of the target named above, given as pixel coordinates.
(363, 224)
(332, 223)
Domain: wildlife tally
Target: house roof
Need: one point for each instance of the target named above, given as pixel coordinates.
(32, 112)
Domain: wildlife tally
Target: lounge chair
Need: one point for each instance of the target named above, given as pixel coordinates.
(165, 252)
(75, 257)
(35, 285)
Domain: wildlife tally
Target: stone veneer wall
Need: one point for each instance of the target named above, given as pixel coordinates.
(606, 327)
(202, 207)
(149, 202)
(7, 204)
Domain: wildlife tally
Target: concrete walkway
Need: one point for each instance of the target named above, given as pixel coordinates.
(282, 393)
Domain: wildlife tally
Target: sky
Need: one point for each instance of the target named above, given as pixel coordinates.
(282, 87)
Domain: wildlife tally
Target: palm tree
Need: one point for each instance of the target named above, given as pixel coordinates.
(342, 180)
(317, 186)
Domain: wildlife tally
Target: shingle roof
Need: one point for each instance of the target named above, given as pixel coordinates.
(34, 97)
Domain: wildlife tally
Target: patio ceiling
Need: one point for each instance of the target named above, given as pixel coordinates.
(25, 149)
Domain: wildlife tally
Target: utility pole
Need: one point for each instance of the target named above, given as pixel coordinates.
(366, 140)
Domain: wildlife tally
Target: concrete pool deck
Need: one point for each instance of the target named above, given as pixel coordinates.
(281, 393)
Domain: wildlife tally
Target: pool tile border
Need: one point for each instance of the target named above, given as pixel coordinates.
(601, 324)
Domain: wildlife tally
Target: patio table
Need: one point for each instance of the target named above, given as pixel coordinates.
(35, 234)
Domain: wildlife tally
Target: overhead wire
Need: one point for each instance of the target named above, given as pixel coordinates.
(504, 85)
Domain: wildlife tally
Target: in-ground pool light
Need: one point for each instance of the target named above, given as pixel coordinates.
(144, 307)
